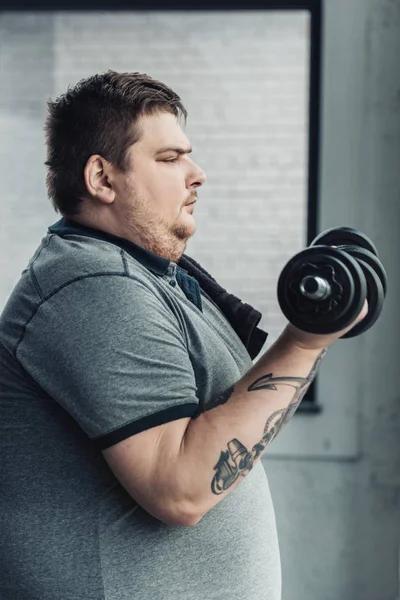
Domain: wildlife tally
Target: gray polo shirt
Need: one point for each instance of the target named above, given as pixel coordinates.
(100, 340)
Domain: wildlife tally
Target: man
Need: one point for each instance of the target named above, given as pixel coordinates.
(132, 417)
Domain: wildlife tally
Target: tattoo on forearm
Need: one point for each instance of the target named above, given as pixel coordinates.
(237, 461)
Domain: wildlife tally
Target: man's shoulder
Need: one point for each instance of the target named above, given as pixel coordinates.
(63, 260)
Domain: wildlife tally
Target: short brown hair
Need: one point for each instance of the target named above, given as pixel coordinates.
(98, 116)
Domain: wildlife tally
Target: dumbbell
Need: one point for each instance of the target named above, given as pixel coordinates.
(360, 247)
(322, 289)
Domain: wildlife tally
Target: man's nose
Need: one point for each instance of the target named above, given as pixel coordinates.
(200, 176)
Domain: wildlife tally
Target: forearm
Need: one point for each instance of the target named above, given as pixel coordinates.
(221, 446)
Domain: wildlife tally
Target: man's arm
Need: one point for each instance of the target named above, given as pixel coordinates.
(181, 470)
(222, 445)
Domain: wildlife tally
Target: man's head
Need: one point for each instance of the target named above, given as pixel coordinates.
(119, 160)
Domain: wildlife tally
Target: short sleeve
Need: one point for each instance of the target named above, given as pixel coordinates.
(111, 352)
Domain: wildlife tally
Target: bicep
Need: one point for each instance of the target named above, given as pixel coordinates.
(147, 466)
(120, 366)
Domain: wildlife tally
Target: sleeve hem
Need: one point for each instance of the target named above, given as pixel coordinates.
(190, 409)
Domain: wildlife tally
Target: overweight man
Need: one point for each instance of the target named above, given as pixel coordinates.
(132, 417)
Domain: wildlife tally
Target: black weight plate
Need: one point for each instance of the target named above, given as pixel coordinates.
(344, 236)
(375, 297)
(350, 290)
(373, 261)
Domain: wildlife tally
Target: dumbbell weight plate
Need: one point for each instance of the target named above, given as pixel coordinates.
(373, 261)
(340, 309)
(344, 236)
(375, 297)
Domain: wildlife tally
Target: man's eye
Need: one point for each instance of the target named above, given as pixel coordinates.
(170, 159)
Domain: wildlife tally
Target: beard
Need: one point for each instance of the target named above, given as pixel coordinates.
(155, 233)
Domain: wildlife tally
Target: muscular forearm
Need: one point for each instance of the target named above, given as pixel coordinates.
(221, 446)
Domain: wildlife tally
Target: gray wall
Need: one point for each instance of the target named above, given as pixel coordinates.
(339, 518)
(334, 477)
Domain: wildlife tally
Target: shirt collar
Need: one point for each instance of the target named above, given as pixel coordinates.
(155, 263)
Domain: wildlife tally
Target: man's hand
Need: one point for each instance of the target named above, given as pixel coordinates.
(313, 341)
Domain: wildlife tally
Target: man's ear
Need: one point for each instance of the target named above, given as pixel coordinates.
(97, 181)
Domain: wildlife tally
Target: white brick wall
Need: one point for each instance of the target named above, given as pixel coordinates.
(243, 76)
(26, 64)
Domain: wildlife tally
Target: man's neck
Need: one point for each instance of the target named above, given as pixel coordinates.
(162, 245)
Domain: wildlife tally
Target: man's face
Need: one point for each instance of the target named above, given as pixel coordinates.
(153, 196)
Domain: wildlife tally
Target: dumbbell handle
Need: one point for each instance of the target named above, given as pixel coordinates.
(315, 287)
